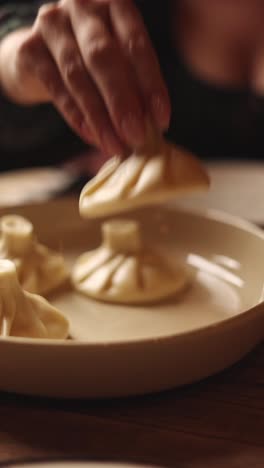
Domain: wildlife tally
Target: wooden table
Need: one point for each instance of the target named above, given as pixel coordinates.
(215, 423)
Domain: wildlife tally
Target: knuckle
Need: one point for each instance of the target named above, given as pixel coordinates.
(123, 102)
(71, 5)
(65, 103)
(27, 46)
(71, 72)
(136, 42)
(48, 13)
(93, 108)
(69, 109)
(27, 50)
(117, 103)
(52, 86)
(76, 118)
(50, 81)
(71, 65)
(80, 3)
(99, 52)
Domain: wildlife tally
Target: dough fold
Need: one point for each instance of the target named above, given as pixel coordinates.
(155, 174)
(40, 270)
(124, 270)
(23, 314)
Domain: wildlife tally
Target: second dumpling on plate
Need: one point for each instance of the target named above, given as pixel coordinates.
(40, 269)
(124, 270)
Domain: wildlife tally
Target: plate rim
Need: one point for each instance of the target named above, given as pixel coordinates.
(225, 323)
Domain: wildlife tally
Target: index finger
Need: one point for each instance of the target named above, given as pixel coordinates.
(110, 71)
(132, 34)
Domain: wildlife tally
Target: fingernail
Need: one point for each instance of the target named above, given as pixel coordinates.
(133, 129)
(110, 143)
(161, 111)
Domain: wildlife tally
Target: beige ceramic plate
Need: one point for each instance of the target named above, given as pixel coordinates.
(24, 185)
(236, 188)
(120, 350)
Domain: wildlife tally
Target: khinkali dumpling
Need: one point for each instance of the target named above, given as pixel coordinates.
(124, 270)
(39, 269)
(157, 173)
(25, 314)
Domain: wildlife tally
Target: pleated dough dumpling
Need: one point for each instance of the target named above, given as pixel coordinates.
(40, 270)
(25, 314)
(123, 270)
(157, 173)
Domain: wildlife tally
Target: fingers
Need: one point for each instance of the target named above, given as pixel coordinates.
(132, 34)
(257, 71)
(37, 58)
(109, 69)
(95, 61)
(62, 45)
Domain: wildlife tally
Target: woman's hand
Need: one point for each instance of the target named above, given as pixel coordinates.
(94, 60)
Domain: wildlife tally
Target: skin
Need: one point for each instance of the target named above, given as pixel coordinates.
(222, 41)
(94, 61)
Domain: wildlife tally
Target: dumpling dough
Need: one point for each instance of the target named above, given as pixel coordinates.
(25, 314)
(157, 173)
(123, 270)
(39, 269)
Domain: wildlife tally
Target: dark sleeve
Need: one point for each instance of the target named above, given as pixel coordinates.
(23, 128)
(14, 15)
